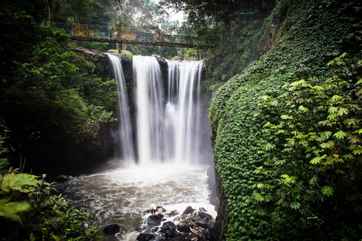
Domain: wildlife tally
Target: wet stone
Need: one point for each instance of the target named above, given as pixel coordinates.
(111, 229)
(168, 229)
(183, 227)
(146, 237)
(173, 213)
(154, 220)
(188, 210)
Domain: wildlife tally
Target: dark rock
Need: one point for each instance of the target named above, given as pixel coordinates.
(168, 229)
(159, 238)
(183, 237)
(62, 178)
(154, 220)
(146, 237)
(111, 229)
(172, 213)
(188, 210)
(156, 210)
(155, 229)
(183, 227)
(203, 219)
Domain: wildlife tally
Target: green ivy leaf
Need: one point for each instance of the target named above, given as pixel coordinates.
(327, 191)
(340, 135)
(317, 160)
(303, 109)
(295, 205)
(328, 145)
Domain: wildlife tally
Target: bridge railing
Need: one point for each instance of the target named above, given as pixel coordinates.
(105, 33)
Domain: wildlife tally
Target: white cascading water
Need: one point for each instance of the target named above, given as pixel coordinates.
(149, 108)
(125, 127)
(173, 143)
(183, 110)
(168, 117)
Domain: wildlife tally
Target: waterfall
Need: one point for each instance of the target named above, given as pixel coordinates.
(125, 127)
(183, 110)
(167, 111)
(149, 108)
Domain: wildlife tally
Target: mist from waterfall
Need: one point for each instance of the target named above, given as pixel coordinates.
(167, 112)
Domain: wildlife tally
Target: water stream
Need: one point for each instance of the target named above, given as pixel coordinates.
(165, 153)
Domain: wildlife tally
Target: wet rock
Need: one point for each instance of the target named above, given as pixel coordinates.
(155, 229)
(183, 227)
(168, 229)
(203, 219)
(111, 229)
(156, 210)
(154, 220)
(146, 237)
(188, 210)
(191, 225)
(172, 213)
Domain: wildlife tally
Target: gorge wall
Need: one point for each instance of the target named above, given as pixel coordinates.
(267, 195)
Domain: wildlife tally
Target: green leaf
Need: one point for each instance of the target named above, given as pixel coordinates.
(19, 182)
(325, 135)
(269, 147)
(295, 205)
(327, 191)
(12, 210)
(287, 180)
(286, 117)
(303, 109)
(258, 197)
(328, 145)
(342, 111)
(336, 98)
(317, 160)
(340, 135)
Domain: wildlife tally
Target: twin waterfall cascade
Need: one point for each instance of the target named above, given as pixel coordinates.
(167, 116)
(165, 151)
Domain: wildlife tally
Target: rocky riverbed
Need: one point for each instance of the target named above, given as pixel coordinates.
(160, 203)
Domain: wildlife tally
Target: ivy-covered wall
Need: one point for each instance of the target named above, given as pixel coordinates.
(286, 129)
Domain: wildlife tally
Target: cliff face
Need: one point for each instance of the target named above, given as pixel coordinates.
(297, 40)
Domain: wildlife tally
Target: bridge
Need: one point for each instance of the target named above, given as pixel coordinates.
(102, 33)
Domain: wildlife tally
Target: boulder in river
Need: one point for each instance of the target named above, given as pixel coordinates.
(111, 229)
(146, 237)
(168, 229)
(188, 210)
(191, 225)
(154, 220)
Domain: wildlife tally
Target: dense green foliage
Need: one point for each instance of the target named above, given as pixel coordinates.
(312, 152)
(56, 115)
(30, 209)
(58, 103)
(286, 129)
